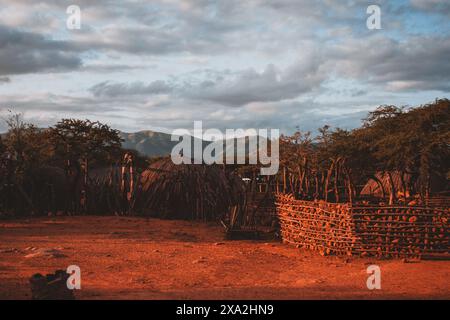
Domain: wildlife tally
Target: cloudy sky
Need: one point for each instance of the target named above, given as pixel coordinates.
(161, 64)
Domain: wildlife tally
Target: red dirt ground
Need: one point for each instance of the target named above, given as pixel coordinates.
(140, 258)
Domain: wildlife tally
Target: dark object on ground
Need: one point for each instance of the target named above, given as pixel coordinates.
(249, 234)
(51, 287)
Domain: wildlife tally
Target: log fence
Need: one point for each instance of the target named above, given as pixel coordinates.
(343, 229)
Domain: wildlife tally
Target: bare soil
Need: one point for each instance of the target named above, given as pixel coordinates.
(141, 258)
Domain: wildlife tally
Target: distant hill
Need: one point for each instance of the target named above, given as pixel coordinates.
(153, 144)
(149, 143)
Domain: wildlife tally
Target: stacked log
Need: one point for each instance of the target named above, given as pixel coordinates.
(438, 201)
(401, 231)
(391, 232)
(325, 227)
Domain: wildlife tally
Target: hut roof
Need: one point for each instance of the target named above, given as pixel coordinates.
(187, 191)
(373, 187)
(50, 175)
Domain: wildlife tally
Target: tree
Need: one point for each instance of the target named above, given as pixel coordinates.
(409, 147)
(26, 149)
(2, 146)
(296, 152)
(27, 144)
(83, 139)
(411, 142)
(82, 144)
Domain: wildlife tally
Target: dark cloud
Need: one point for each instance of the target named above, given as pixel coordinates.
(230, 89)
(110, 89)
(436, 6)
(200, 27)
(27, 52)
(416, 64)
(251, 86)
(4, 80)
(105, 68)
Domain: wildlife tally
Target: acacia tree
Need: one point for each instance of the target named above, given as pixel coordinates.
(27, 144)
(411, 142)
(409, 147)
(2, 146)
(296, 152)
(80, 144)
(384, 126)
(25, 149)
(84, 139)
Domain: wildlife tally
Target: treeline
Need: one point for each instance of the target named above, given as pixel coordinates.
(48, 170)
(404, 151)
(68, 141)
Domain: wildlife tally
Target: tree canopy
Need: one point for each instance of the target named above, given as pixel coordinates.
(75, 139)
(335, 164)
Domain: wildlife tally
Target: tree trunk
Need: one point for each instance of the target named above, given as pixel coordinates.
(402, 179)
(336, 176)
(392, 196)
(316, 181)
(330, 170)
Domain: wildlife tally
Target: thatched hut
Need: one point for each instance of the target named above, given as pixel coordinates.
(48, 189)
(187, 191)
(103, 190)
(394, 185)
(381, 183)
(105, 195)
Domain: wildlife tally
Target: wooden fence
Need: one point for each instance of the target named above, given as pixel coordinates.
(342, 229)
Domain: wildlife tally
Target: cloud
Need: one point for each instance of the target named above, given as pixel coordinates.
(437, 6)
(418, 63)
(111, 68)
(230, 63)
(4, 80)
(251, 86)
(27, 52)
(179, 27)
(110, 89)
(229, 89)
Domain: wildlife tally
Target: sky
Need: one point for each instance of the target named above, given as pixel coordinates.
(163, 64)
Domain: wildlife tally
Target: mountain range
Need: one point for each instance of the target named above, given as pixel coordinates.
(149, 143)
(153, 144)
